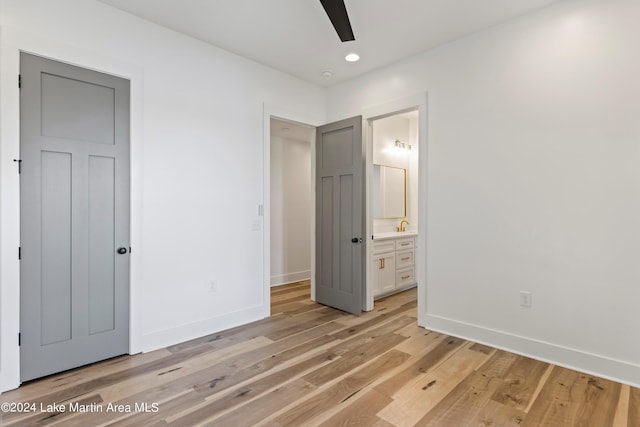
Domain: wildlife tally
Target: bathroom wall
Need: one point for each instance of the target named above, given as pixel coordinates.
(386, 131)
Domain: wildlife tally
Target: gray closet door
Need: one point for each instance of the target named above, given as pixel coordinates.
(74, 216)
(340, 215)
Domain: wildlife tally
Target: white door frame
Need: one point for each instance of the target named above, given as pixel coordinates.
(12, 42)
(305, 119)
(370, 114)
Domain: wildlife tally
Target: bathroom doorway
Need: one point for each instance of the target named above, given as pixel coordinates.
(393, 202)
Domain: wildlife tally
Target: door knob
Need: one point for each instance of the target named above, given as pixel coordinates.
(356, 240)
(122, 251)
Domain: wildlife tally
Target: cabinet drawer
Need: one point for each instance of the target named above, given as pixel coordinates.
(404, 259)
(382, 246)
(406, 243)
(405, 277)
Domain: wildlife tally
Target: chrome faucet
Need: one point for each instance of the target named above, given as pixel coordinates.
(402, 227)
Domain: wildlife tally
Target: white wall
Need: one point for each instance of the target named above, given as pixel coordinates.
(290, 210)
(533, 182)
(385, 133)
(197, 166)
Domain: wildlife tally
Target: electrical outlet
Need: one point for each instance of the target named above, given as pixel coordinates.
(213, 286)
(256, 225)
(525, 299)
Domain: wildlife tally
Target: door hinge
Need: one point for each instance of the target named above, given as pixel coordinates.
(19, 81)
(19, 339)
(19, 162)
(19, 253)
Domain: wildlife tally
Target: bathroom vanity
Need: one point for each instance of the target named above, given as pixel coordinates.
(393, 262)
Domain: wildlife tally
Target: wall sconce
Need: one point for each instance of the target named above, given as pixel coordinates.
(402, 146)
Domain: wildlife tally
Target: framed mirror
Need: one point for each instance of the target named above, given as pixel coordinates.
(389, 192)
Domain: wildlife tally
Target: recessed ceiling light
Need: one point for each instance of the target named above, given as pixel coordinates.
(352, 57)
(327, 74)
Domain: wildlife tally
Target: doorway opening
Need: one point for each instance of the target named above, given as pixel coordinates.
(393, 203)
(291, 202)
(337, 217)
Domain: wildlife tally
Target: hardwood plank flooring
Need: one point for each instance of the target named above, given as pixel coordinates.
(315, 366)
(634, 408)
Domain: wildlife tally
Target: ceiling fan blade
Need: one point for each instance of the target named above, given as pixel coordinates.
(337, 13)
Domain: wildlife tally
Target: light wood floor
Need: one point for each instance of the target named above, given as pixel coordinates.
(312, 365)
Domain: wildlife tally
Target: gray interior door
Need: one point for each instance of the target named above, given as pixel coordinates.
(74, 216)
(340, 215)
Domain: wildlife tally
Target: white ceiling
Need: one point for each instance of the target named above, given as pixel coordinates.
(296, 36)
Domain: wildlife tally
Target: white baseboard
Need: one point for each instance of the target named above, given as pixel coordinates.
(589, 363)
(283, 279)
(171, 336)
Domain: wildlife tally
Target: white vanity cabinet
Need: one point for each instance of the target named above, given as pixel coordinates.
(393, 264)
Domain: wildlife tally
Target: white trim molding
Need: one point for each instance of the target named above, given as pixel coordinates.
(285, 279)
(571, 358)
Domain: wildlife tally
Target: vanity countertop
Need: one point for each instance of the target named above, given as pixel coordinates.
(394, 234)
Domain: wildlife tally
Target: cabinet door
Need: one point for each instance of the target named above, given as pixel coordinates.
(384, 273)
